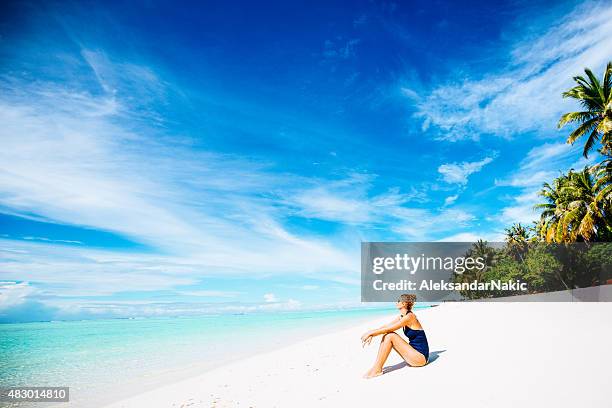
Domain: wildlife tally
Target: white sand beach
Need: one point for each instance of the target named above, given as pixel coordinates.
(483, 355)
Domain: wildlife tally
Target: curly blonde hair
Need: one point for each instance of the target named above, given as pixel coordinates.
(408, 299)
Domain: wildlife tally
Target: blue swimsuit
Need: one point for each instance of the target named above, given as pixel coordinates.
(418, 341)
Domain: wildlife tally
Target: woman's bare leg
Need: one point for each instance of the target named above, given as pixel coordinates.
(383, 353)
(394, 341)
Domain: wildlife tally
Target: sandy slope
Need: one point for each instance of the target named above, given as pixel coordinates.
(485, 355)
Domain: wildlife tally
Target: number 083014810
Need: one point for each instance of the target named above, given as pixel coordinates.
(34, 394)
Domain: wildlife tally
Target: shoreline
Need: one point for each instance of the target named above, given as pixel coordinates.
(301, 328)
(478, 350)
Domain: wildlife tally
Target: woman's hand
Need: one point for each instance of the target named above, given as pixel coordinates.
(366, 339)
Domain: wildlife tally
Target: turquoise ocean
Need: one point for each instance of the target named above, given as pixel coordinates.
(105, 360)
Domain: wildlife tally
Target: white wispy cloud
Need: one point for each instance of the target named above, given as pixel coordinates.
(458, 173)
(270, 298)
(450, 200)
(14, 293)
(541, 164)
(349, 200)
(521, 209)
(210, 293)
(45, 239)
(473, 237)
(289, 305)
(423, 224)
(525, 93)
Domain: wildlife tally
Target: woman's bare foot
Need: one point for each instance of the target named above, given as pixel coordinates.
(372, 373)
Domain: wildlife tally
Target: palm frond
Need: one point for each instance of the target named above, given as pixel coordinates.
(595, 85)
(575, 117)
(591, 140)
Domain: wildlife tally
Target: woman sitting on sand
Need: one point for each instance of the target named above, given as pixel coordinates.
(415, 353)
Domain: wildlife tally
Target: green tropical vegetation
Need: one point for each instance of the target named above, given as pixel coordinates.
(570, 246)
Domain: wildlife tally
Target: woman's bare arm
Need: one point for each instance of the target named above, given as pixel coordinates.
(391, 327)
(388, 328)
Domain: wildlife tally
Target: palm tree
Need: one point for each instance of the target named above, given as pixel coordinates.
(549, 227)
(479, 249)
(595, 121)
(482, 249)
(603, 185)
(577, 209)
(583, 215)
(517, 240)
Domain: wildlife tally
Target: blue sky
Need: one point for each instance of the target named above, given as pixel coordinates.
(164, 160)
